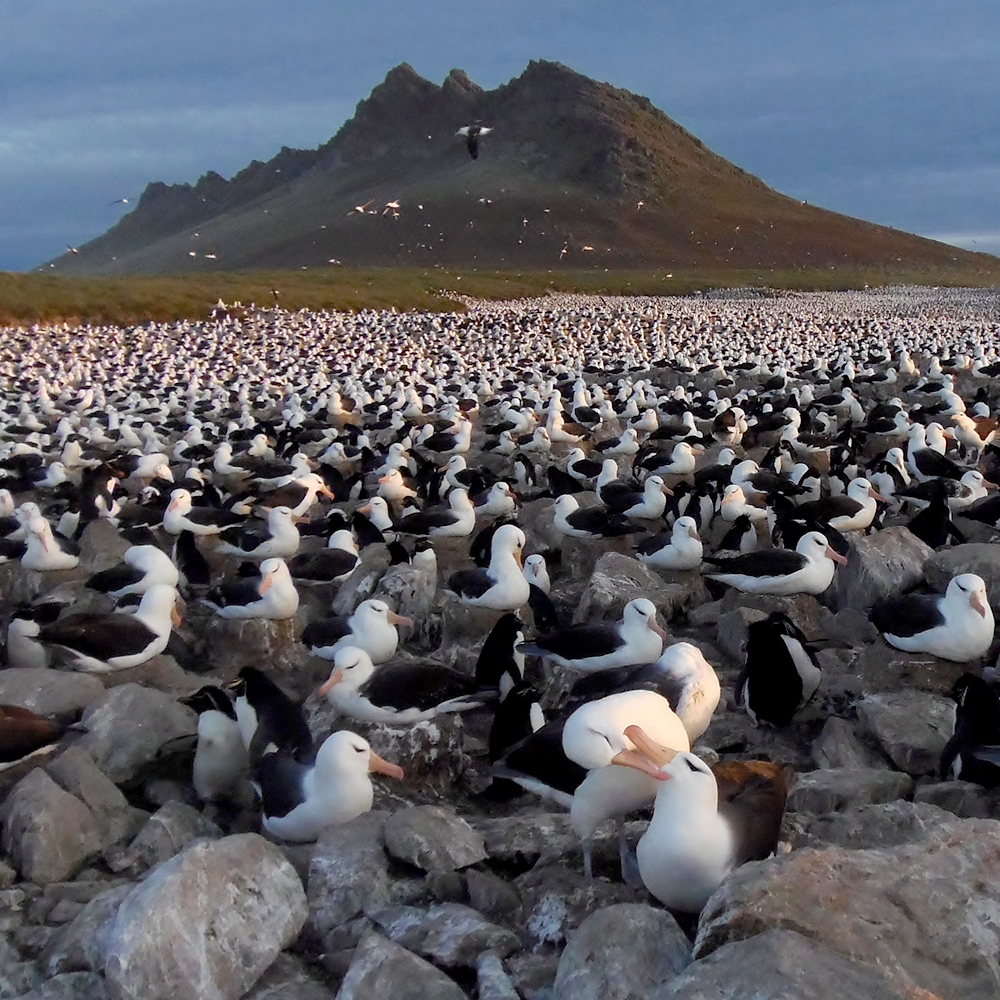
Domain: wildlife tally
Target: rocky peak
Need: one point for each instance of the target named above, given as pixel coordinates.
(458, 84)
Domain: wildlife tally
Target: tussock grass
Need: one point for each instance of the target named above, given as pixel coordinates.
(38, 298)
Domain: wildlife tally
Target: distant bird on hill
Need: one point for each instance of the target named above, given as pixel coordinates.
(472, 134)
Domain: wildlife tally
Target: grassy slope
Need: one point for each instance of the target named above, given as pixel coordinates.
(28, 298)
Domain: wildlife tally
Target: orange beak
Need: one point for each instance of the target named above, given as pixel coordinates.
(366, 509)
(977, 602)
(518, 559)
(376, 763)
(327, 492)
(395, 619)
(875, 495)
(173, 505)
(835, 556)
(648, 755)
(655, 626)
(693, 532)
(989, 485)
(175, 617)
(335, 678)
(265, 584)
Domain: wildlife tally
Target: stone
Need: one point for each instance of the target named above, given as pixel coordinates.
(448, 934)
(881, 667)
(618, 579)
(75, 772)
(833, 789)
(433, 838)
(48, 834)
(911, 727)
(409, 591)
(521, 840)
(348, 873)
(533, 974)
(879, 566)
(557, 900)
(381, 969)
(289, 978)
(849, 626)
(81, 945)
(59, 693)
(206, 924)
(167, 832)
(465, 625)
(981, 558)
(492, 981)
(732, 629)
(884, 824)
(230, 644)
(838, 746)
(494, 898)
(361, 584)
(128, 725)
(71, 986)
(780, 965)
(963, 798)
(19, 979)
(620, 952)
(924, 913)
(101, 546)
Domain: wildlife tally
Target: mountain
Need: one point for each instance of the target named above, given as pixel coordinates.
(575, 173)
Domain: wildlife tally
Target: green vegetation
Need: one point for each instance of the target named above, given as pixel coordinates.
(31, 297)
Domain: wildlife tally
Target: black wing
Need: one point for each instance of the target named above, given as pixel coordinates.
(327, 564)
(470, 582)
(116, 578)
(280, 779)
(769, 562)
(422, 686)
(100, 636)
(541, 756)
(236, 592)
(907, 615)
(580, 641)
(325, 632)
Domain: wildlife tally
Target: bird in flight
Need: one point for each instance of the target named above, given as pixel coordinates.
(71, 249)
(360, 209)
(472, 134)
(120, 201)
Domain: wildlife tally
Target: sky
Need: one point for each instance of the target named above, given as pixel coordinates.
(888, 110)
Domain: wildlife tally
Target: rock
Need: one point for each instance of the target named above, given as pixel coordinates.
(879, 566)
(75, 772)
(70, 986)
(732, 629)
(881, 667)
(619, 952)
(381, 969)
(885, 824)
(465, 625)
(981, 558)
(618, 579)
(448, 934)
(705, 614)
(833, 789)
(48, 834)
(348, 873)
(962, 798)
(838, 746)
(20, 978)
(912, 727)
(230, 644)
(128, 725)
(162, 672)
(361, 584)
(779, 964)
(433, 838)
(81, 944)
(289, 978)
(850, 626)
(533, 973)
(409, 591)
(557, 900)
(493, 897)
(101, 546)
(933, 903)
(167, 832)
(61, 693)
(492, 981)
(206, 924)
(522, 839)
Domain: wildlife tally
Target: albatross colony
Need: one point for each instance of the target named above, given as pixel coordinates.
(773, 514)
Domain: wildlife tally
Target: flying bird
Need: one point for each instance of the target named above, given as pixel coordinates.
(472, 134)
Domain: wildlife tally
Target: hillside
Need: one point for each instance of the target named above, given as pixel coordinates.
(576, 174)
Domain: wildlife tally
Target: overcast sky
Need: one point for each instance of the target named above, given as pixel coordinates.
(884, 109)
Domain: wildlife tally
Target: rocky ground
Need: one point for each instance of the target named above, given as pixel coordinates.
(117, 883)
